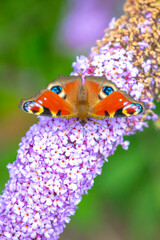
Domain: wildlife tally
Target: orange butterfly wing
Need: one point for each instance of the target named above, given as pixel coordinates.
(117, 105)
(106, 101)
(58, 100)
(70, 97)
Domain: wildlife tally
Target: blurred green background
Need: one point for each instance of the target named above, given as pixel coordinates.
(124, 203)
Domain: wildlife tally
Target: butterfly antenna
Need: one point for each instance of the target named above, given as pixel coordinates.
(96, 123)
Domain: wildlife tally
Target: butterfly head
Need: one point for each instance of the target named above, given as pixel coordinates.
(83, 121)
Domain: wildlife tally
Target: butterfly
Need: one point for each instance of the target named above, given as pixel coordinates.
(82, 98)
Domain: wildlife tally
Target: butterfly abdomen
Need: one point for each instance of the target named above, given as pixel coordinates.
(82, 113)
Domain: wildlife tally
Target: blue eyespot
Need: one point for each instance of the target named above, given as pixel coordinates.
(26, 105)
(56, 89)
(139, 108)
(107, 90)
(133, 109)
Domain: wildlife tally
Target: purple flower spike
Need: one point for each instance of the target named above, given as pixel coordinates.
(55, 165)
(52, 171)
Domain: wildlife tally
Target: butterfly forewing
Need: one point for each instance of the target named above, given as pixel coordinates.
(117, 104)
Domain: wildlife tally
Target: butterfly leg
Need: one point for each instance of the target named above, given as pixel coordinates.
(96, 122)
(71, 124)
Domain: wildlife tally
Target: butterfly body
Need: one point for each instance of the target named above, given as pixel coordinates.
(82, 98)
(82, 105)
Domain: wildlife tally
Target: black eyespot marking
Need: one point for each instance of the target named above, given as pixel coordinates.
(106, 114)
(59, 113)
(26, 105)
(33, 111)
(56, 89)
(133, 109)
(140, 108)
(46, 112)
(119, 113)
(65, 97)
(107, 90)
(131, 113)
(99, 97)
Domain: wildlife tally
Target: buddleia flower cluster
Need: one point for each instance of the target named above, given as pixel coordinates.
(55, 166)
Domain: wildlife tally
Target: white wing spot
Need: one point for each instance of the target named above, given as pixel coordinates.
(125, 103)
(40, 101)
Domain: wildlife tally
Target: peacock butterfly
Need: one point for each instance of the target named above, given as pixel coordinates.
(82, 98)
